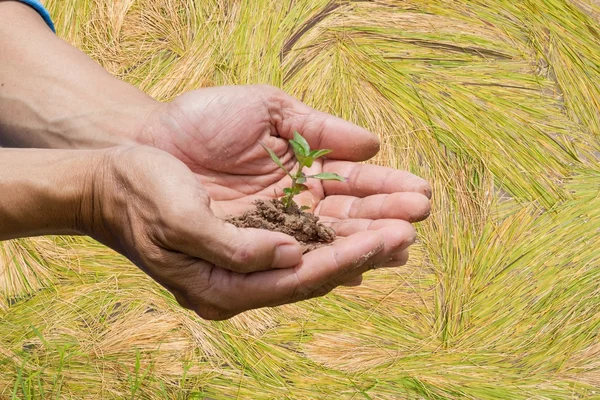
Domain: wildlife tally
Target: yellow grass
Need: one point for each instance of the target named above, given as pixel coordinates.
(495, 102)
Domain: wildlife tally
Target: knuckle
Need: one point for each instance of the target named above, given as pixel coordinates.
(243, 258)
(275, 96)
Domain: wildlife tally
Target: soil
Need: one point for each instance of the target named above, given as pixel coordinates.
(272, 215)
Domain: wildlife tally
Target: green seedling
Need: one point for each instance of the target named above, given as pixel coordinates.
(305, 157)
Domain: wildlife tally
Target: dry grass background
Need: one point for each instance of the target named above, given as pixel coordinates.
(496, 102)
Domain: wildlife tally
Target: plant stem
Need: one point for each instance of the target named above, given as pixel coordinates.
(287, 202)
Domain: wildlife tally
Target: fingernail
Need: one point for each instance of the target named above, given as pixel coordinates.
(424, 187)
(287, 256)
(427, 191)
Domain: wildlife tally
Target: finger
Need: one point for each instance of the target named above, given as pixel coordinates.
(397, 239)
(347, 227)
(394, 254)
(355, 278)
(396, 242)
(220, 294)
(324, 131)
(365, 180)
(240, 250)
(410, 207)
(270, 288)
(398, 234)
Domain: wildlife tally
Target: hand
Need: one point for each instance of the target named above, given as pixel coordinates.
(149, 206)
(216, 133)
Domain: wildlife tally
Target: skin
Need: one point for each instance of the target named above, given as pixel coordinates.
(152, 180)
(42, 191)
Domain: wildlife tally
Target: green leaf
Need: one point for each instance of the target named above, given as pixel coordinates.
(287, 191)
(301, 178)
(298, 152)
(301, 188)
(319, 153)
(274, 157)
(328, 176)
(302, 142)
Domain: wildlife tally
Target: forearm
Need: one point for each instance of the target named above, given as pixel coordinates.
(45, 191)
(54, 96)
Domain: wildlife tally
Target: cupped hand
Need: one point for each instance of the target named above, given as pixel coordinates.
(217, 133)
(152, 208)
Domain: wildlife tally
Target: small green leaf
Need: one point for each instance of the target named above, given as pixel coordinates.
(319, 153)
(304, 208)
(301, 178)
(298, 152)
(328, 176)
(274, 157)
(308, 161)
(302, 142)
(287, 191)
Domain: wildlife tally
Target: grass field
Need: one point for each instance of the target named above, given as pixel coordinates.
(496, 102)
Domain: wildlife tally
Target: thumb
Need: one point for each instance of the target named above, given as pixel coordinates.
(240, 250)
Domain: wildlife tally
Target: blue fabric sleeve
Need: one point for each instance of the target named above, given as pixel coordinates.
(37, 6)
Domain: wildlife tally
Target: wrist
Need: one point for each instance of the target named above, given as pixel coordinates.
(45, 192)
(106, 125)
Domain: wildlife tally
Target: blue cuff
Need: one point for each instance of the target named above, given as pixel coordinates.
(37, 6)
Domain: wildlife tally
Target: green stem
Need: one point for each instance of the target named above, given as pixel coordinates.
(287, 200)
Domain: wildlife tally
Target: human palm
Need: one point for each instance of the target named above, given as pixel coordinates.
(217, 133)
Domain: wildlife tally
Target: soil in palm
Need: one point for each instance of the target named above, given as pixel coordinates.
(273, 215)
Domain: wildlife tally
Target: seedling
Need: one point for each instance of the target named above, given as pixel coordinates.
(305, 157)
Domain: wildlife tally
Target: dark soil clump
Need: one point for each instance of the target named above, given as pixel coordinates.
(272, 215)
